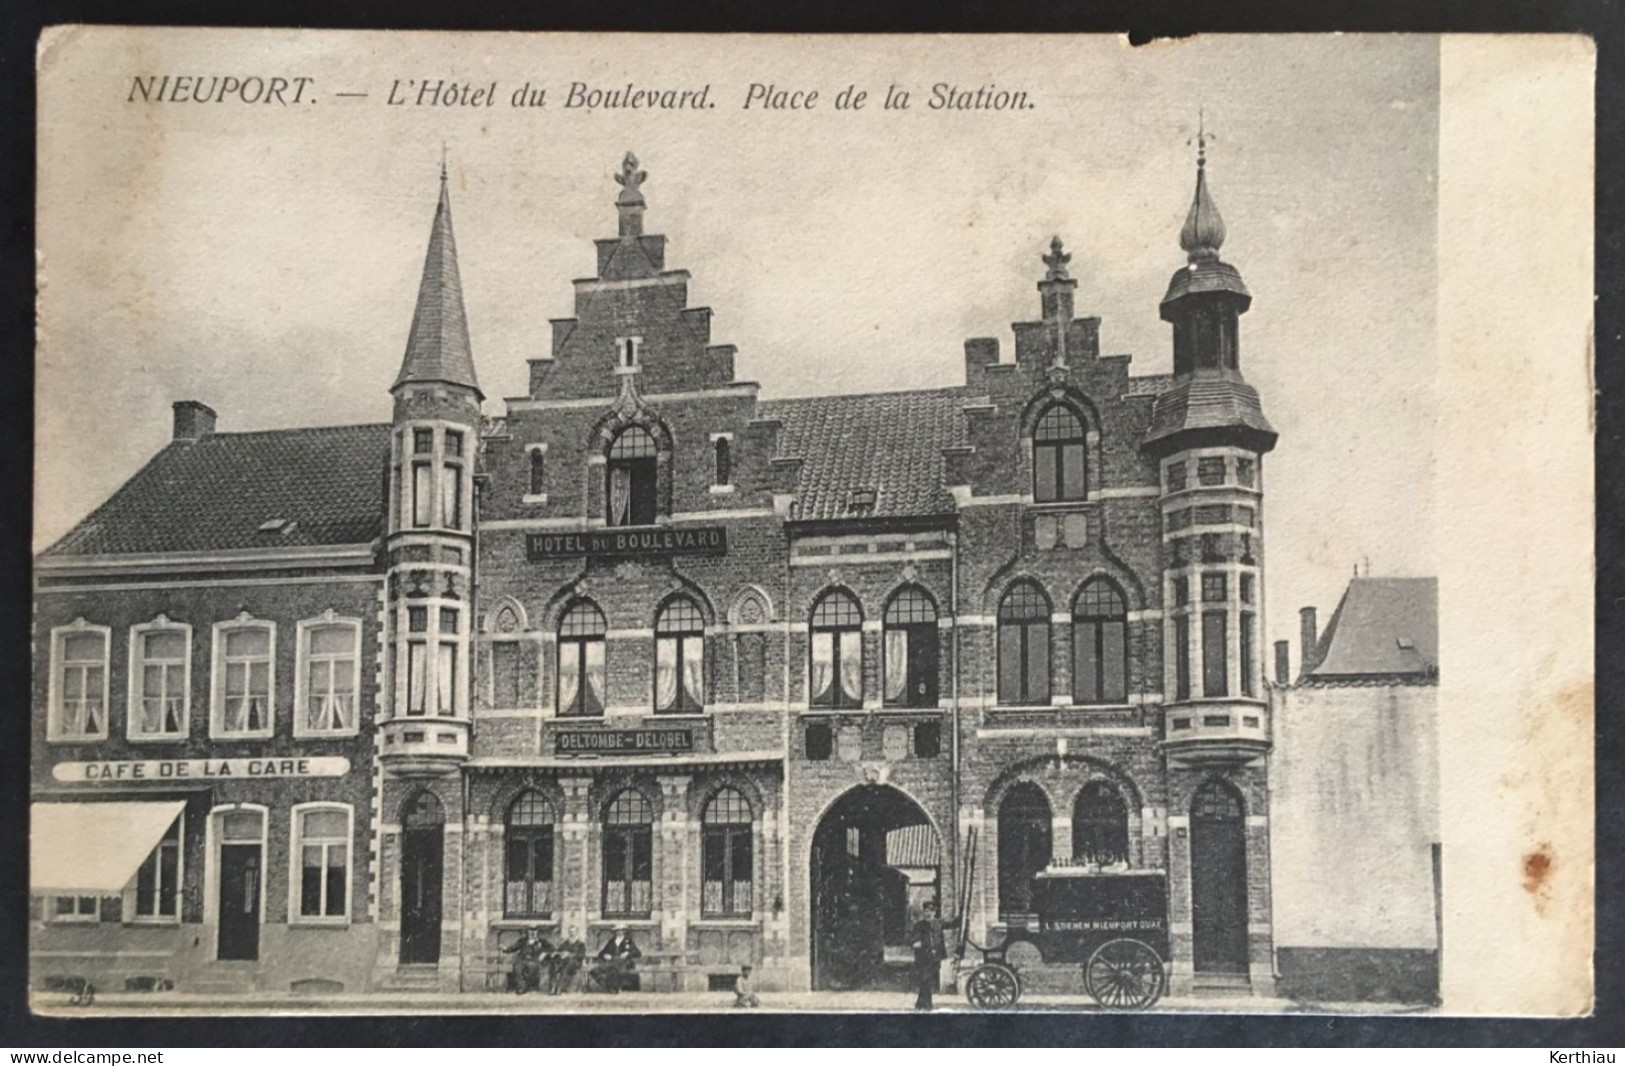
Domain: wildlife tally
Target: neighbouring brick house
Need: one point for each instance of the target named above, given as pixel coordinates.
(744, 675)
(206, 648)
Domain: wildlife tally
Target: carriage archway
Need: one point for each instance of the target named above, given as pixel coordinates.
(876, 860)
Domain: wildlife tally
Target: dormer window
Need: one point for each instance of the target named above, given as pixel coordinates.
(633, 469)
(629, 352)
(1058, 457)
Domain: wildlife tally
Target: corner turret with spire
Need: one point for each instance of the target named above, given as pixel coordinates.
(429, 543)
(1208, 437)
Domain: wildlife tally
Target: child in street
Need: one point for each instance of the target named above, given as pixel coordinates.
(745, 990)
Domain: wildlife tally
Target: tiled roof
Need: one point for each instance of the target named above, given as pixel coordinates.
(215, 494)
(1211, 276)
(1208, 399)
(889, 443)
(1385, 627)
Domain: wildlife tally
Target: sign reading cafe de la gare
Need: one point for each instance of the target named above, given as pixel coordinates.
(172, 770)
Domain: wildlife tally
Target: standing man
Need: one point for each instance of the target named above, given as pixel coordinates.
(929, 951)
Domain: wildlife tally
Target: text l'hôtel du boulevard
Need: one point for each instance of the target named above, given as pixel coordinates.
(287, 90)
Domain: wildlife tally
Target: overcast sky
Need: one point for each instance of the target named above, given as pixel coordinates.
(264, 259)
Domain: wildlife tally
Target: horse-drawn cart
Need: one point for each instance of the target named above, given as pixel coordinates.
(1113, 923)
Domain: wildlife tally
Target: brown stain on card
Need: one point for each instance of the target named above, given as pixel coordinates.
(1537, 871)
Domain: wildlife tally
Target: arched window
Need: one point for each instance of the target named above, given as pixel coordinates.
(581, 662)
(837, 652)
(1058, 457)
(1100, 825)
(1099, 644)
(909, 650)
(628, 856)
(1024, 847)
(528, 840)
(423, 811)
(1024, 645)
(727, 858)
(632, 477)
(679, 658)
(724, 461)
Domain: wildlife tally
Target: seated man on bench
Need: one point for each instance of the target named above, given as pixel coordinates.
(528, 952)
(616, 969)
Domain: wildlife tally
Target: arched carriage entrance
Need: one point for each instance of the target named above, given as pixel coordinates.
(876, 860)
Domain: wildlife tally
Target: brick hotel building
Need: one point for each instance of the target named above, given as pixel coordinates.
(349, 706)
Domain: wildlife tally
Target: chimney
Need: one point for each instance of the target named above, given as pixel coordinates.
(193, 420)
(1310, 638)
(1283, 662)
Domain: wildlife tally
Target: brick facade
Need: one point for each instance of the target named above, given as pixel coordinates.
(1043, 479)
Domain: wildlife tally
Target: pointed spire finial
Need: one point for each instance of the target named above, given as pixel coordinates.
(1203, 232)
(442, 162)
(1056, 261)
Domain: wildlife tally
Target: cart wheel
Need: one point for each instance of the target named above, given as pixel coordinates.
(993, 986)
(1124, 975)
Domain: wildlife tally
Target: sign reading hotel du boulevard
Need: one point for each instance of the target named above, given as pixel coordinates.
(167, 770)
(624, 543)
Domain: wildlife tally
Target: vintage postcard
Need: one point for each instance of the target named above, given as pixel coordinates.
(624, 523)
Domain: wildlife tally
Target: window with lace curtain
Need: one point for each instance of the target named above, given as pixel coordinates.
(632, 471)
(329, 655)
(160, 685)
(628, 856)
(727, 858)
(836, 673)
(679, 658)
(581, 661)
(528, 841)
(909, 650)
(78, 702)
(243, 679)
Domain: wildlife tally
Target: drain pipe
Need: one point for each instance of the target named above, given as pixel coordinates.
(953, 697)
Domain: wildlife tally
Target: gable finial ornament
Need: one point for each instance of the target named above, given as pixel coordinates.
(1056, 261)
(630, 179)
